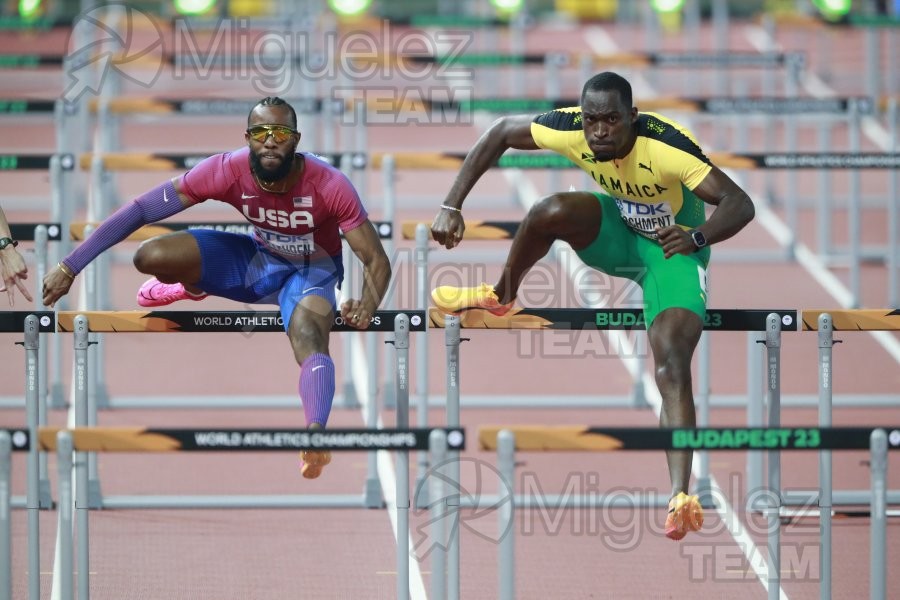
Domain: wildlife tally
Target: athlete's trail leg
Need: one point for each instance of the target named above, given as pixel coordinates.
(673, 336)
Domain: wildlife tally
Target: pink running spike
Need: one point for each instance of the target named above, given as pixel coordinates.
(156, 293)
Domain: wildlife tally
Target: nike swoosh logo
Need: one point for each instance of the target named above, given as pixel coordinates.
(165, 197)
(317, 367)
(311, 289)
(246, 196)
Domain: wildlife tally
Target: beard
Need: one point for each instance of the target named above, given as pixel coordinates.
(265, 174)
(604, 156)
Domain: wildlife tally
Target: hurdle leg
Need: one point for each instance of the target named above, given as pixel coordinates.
(81, 524)
(826, 342)
(773, 514)
(348, 399)
(401, 346)
(32, 498)
(64, 485)
(83, 405)
(878, 549)
(5, 528)
(754, 410)
(372, 490)
(506, 560)
(452, 340)
(390, 194)
(438, 530)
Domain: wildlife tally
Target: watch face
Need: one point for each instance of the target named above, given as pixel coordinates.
(699, 238)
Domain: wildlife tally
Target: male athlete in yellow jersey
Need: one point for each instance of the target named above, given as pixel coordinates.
(649, 225)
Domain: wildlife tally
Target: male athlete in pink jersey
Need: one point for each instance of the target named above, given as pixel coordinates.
(298, 205)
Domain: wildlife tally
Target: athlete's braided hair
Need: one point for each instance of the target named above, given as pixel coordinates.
(275, 101)
(609, 81)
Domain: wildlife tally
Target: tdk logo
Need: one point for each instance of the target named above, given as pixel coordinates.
(639, 208)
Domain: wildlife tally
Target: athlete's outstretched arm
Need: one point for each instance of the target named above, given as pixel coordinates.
(506, 132)
(734, 210)
(159, 203)
(364, 242)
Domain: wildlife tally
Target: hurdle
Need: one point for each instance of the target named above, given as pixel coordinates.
(772, 325)
(83, 440)
(83, 323)
(825, 323)
(620, 319)
(88, 488)
(507, 440)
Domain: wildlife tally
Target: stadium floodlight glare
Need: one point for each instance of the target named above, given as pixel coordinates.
(834, 9)
(193, 7)
(29, 8)
(349, 8)
(507, 6)
(665, 6)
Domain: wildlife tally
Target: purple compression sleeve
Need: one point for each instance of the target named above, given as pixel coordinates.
(157, 204)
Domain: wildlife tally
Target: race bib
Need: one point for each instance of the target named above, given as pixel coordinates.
(646, 217)
(286, 244)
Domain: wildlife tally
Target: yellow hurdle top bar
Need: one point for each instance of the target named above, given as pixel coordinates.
(854, 320)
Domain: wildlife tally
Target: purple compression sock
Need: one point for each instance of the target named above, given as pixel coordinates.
(317, 388)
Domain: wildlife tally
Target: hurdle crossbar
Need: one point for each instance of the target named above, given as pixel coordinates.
(27, 232)
(607, 318)
(854, 319)
(179, 439)
(599, 438)
(165, 321)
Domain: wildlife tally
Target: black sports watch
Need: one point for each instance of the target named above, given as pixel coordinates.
(698, 238)
(5, 241)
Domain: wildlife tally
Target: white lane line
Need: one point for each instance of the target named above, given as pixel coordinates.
(386, 474)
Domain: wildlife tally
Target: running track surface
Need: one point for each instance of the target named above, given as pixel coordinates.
(349, 553)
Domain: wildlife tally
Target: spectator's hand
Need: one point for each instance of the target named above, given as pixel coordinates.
(15, 272)
(355, 314)
(448, 228)
(56, 285)
(675, 240)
